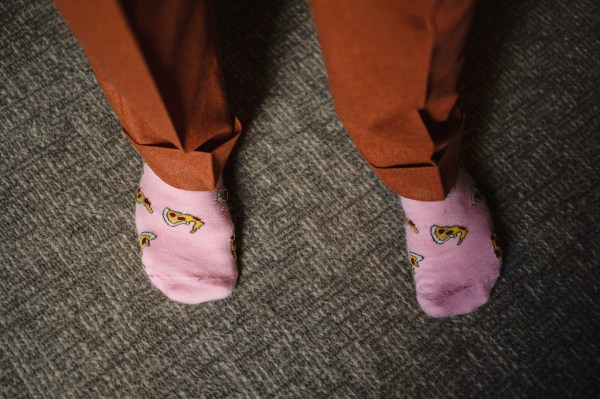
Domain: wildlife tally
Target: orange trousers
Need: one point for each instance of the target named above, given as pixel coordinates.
(392, 66)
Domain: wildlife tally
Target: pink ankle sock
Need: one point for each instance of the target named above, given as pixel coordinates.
(452, 250)
(186, 240)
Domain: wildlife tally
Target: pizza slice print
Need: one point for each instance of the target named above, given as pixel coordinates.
(411, 224)
(476, 196)
(174, 218)
(141, 199)
(497, 249)
(441, 234)
(233, 252)
(144, 240)
(414, 259)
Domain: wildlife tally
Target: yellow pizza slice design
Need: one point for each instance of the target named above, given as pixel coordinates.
(476, 196)
(414, 259)
(233, 253)
(174, 218)
(141, 199)
(497, 249)
(144, 240)
(441, 234)
(412, 225)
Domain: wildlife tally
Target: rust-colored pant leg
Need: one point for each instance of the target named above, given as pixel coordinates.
(157, 62)
(392, 68)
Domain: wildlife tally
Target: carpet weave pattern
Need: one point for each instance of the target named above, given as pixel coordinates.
(325, 305)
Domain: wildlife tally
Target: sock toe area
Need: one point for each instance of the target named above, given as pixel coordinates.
(194, 289)
(453, 300)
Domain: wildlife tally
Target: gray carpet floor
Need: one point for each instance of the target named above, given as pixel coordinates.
(325, 305)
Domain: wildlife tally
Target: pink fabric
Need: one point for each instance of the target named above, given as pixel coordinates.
(189, 263)
(451, 248)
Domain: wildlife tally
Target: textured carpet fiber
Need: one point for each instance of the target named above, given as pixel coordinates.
(325, 306)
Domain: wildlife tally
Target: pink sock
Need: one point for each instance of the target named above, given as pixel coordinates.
(452, 250)
(186, 240)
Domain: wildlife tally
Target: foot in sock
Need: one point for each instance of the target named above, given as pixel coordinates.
(186, 240)
(452, 250)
